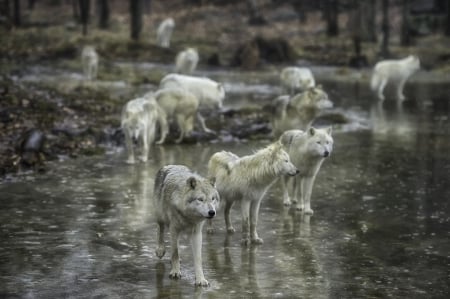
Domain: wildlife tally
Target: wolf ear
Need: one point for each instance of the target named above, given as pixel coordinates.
(212, 181)
(311, 131)
(192, 182)
(219, 86)
(329, 130)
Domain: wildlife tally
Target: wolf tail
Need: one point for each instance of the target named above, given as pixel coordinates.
(375, 81)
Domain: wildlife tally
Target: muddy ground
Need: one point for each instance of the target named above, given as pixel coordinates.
(39, 122)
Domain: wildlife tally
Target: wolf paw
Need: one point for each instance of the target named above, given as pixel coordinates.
(201, 282)
(143, 158)
(257, 241)
(309, 211)
(287, 202)
(231, 230)
(174, 274)
(160, 251)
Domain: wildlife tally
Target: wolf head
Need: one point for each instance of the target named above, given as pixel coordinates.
(281, 161)
(414, 62)
(320, 142)
(314, 98)
(202, 198)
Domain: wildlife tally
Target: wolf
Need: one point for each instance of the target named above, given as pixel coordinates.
(209, 92)
(307, 151)
(178, 104)
(396, 71)
(183, 200)
(139, 120)
(186, 61)
(89, 60)
(164, 32)
(295, 79)
(299, 111)
(246, 179)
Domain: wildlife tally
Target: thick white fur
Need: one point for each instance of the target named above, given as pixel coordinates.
(179, 105)
(246, 179)
(307, 151)
(209, 93)
(395, 71)
(164, 32)
(186, 61)
(139, 120)
(299, 111)
(89, 60)
(183, 201)
(295, 79)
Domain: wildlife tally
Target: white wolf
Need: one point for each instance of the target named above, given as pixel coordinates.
(247, 179)
(307, 151)
(179, 105)
(164, 32)
(396, 71)
(183, 201)
(299, 111)
(186, 61)
(139, 120)
(89, 60)
(295, 79)
(209, 93)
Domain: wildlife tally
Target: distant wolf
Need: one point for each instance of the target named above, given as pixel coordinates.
(396, 71)
(246, 179)
(164, 32)
(89, 60)
(179, 105)
(139, 121)
(307, 150)
(186, 61)
(209, 92)
(299, 111)
(295, 79)
(183, 201)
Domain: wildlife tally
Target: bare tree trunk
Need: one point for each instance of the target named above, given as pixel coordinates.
(85, 6)
(16, 16)
(75, 11)
(331, 15)
(405, 36)
(136, 10)
(31, 4)
(447, 21)
(255, 17)
(103, 13)
(300, 8)
(368, 22)
(384, 51)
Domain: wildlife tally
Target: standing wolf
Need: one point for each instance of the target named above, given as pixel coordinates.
(396, 71)
(89, 60)
(299, 111)
(186, 61)
(295, 79)
(209, 92)
(247, 179)
(164, 33)
(307, 150)
(180, 105)
(183, 201)
(139, 120)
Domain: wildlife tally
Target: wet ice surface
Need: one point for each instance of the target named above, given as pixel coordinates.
(380, 228)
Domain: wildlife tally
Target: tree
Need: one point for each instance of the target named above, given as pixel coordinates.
(447, 21)
(255, 16)
(405, 36)
(301, 8)
(103, 13)
(384, 51)
(331, 16)
(136, 10)
(17, 21)
(85, 6)
(368, 23)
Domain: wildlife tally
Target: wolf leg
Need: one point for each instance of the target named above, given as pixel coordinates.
(301, 203)
(228, 206)
(254, 213)
(181, 126)
(284, 186)
(245, 210)
(201, 120)
(145, 144)
(196, 244)
(175, 273)
(160, 250)
(381, 89)
(400, 86)
(308, 186)
(129, 146)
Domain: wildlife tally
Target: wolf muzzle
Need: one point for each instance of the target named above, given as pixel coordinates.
(211, 213)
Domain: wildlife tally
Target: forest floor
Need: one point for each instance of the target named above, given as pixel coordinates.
(218, 32)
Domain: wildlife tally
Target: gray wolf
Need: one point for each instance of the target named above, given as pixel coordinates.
(246, 179)
(89, 60)
(395, 71)
(210, 93)
(139, 121)
(186, 61)
(295, 79)
(164, 32)
(179, 105)
(299, 111)
(183, 201)
(307, 151)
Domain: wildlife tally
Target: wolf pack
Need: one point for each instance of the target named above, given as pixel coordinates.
(184, 200)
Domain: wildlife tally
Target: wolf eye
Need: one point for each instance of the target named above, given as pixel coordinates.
(200, 199)
(287, 161)
(318, 142)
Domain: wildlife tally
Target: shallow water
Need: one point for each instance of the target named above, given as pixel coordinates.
(381, 226)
